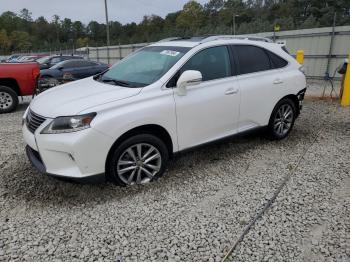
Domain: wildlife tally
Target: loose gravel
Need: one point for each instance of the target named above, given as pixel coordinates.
(200, 207)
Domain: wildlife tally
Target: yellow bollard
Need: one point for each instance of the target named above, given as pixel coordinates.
(300, 56)
(345, 100)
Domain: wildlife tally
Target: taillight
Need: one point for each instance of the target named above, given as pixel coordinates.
(35, 73)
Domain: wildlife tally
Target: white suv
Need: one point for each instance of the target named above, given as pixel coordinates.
(167, 97)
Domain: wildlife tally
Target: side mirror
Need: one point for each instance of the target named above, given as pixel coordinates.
(188, 78)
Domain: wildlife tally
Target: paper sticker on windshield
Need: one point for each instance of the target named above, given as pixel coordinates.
(170, 53)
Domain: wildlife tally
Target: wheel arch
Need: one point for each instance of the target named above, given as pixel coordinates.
(295, 100)
(292, 97)
(11, 83)
(151, 129)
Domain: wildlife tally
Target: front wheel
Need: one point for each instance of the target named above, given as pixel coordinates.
(8, 100)
(138, 160)
(282, 119)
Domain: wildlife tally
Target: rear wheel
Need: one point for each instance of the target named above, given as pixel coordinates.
(138, 160)
(8, 100)
(282, 119)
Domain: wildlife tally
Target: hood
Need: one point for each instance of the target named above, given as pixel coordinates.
(72, 98)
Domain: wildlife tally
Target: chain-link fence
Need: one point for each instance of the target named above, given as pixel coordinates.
(325, 49)
(111, 54)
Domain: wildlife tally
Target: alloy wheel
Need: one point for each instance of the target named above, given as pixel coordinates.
(139, 164)
(283, 119)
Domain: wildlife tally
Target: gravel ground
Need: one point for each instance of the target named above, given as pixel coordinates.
(198, 210)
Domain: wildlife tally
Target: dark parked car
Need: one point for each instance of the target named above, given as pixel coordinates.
(70, 70)
(49, 61)
(13, 58)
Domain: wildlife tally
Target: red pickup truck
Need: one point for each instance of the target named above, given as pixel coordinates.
(16, 80)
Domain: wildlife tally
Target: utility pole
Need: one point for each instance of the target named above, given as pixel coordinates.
(107, 28)
(331, 45)
(234, 24)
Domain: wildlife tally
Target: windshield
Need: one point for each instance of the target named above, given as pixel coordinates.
(43, 60)
(144, 67)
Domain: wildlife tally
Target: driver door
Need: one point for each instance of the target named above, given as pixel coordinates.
(209, 110)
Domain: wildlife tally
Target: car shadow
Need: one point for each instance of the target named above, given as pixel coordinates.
(24, 183)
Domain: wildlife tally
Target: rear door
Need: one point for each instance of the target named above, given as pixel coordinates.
(261, 84)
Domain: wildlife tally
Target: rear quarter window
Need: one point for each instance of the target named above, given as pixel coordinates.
(251, 59)
(276, 61)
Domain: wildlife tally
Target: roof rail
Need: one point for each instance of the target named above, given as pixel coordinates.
(242, 37)
(169, 39)
(176, 38)
(209, 38)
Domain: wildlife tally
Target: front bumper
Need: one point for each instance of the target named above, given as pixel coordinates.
(301, 96)
(35, 160)
(78, 156)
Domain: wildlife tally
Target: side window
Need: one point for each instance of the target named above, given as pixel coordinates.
(55, 60)
(213, 63)
(69, 64)
(251, 59)
(276, 61)
(89, 63)
(78, 64)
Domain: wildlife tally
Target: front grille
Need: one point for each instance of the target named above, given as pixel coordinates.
(33, 121)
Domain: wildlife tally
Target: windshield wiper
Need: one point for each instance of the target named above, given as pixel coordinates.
(97, 77)
(116, 82)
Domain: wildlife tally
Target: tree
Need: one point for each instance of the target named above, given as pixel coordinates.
(26, 15)
(309, 23)
(191, 17)
(4, 41)
(82, 42)
(20, 41)
(66, 30)
(56, 24)
(20, 31)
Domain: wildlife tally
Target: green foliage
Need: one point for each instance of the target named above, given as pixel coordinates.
(20, 40)
(82, 42)
(5, 42)
(191, 18)
(20, 32)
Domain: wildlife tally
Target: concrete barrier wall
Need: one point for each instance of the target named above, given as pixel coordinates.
(315, 42)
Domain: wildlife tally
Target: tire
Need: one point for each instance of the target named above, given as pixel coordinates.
(8, 100)
(128, 166)
(282, 119)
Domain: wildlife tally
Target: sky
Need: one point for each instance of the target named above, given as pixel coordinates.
(124, 11)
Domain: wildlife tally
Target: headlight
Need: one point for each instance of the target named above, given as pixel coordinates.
(68, 124)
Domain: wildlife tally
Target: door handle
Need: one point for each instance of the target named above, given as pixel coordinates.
(231, 91)
(277, 81)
